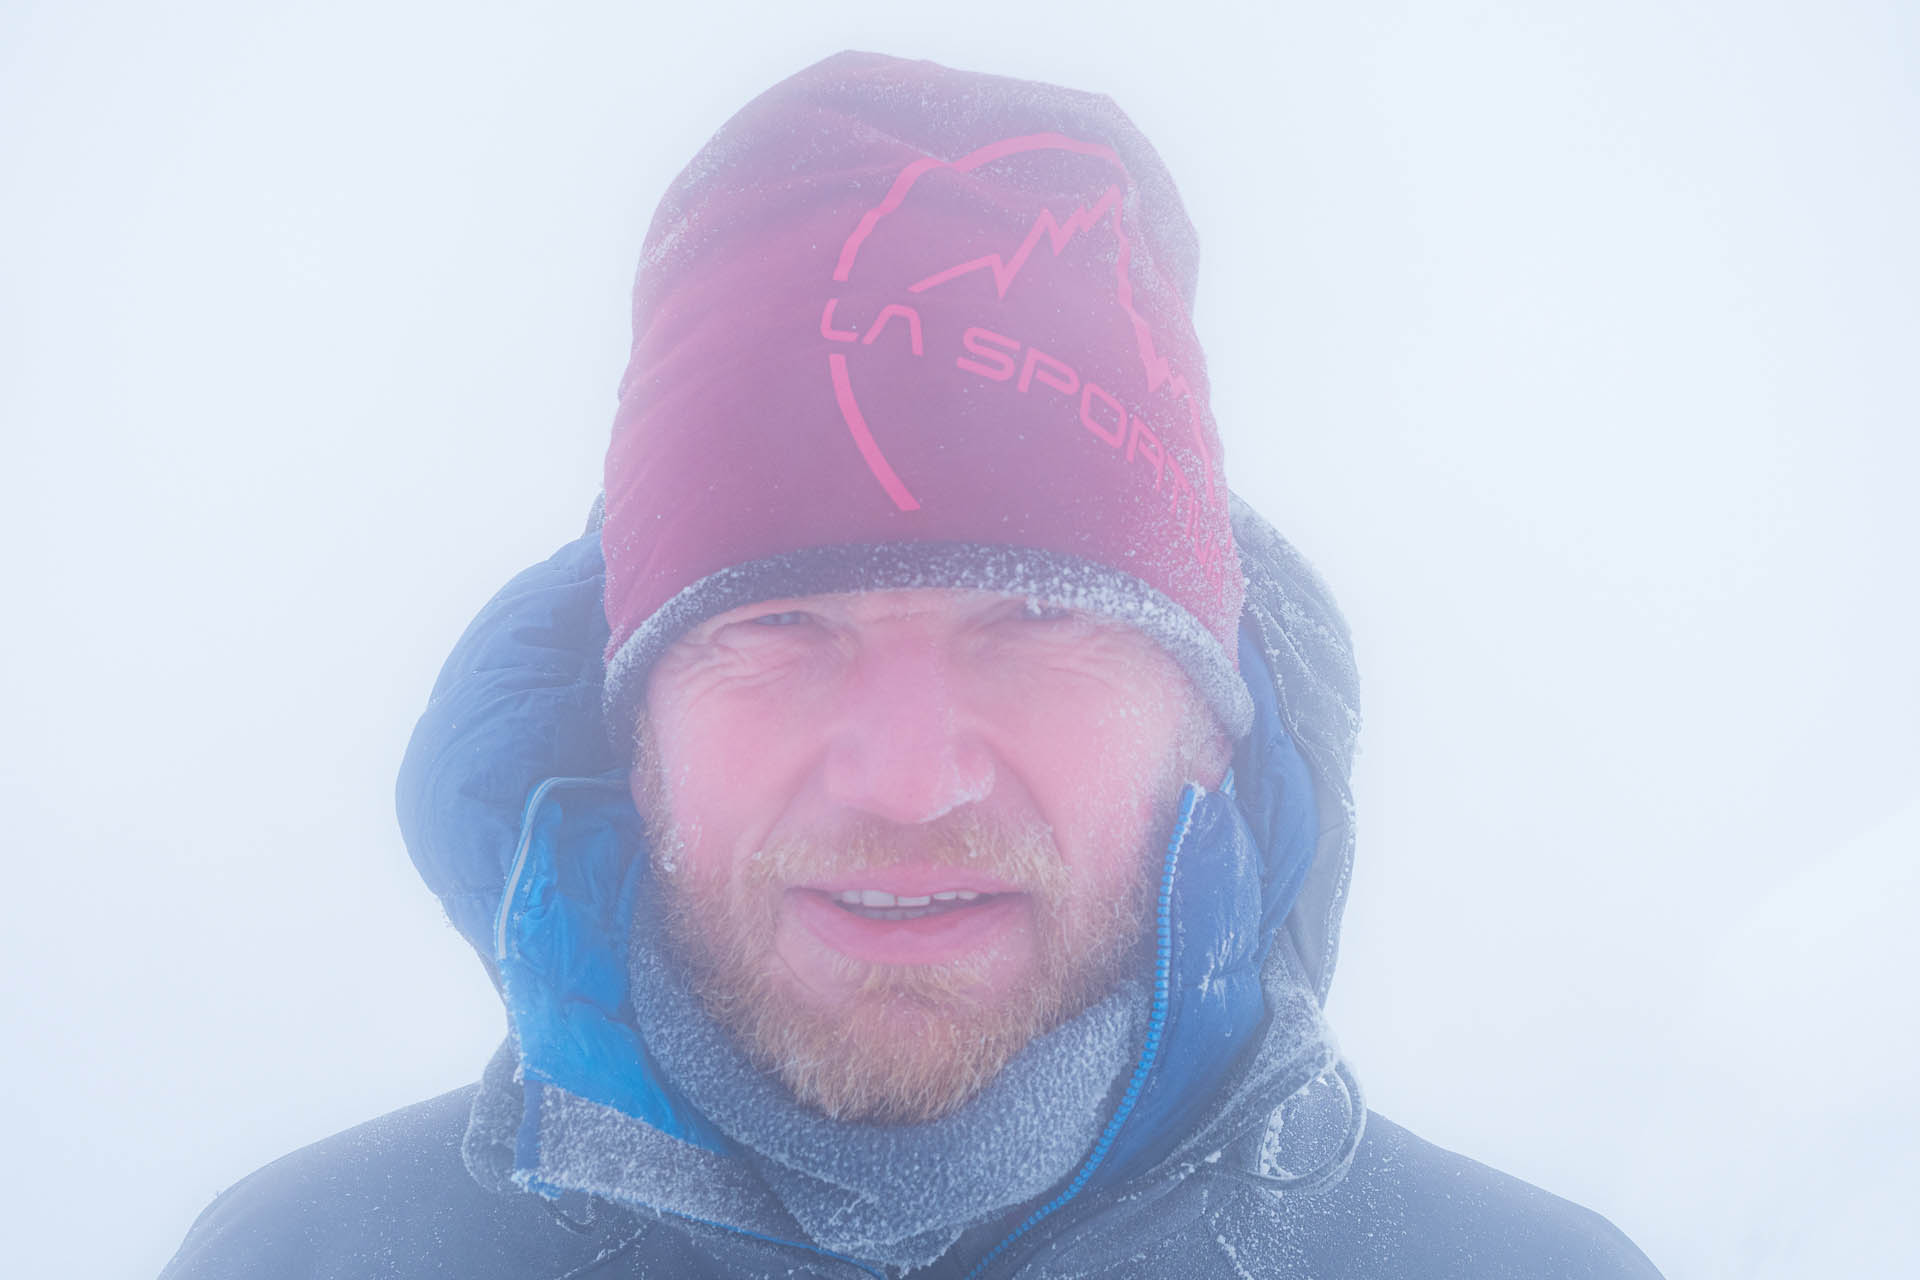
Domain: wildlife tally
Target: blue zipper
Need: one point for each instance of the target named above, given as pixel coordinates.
(1149, 1052)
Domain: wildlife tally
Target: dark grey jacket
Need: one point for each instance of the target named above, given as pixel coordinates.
(393, 1199)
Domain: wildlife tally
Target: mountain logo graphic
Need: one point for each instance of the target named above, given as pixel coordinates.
(994, 356)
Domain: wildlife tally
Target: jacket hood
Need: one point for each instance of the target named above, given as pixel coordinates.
(518, 703)
(517, 812)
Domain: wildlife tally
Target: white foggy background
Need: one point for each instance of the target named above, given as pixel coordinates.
(1574, 343)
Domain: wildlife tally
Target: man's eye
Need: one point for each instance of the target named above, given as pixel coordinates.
(786, 619)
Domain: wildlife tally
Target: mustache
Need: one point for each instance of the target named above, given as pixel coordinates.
(1020, 852)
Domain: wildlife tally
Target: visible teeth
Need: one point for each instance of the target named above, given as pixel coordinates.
(881, 898)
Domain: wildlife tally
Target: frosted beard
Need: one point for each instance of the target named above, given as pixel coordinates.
(913, 1042)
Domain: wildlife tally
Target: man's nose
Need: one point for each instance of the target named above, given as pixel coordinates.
(903, 744)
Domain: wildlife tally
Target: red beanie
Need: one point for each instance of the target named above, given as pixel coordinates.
(903, 326)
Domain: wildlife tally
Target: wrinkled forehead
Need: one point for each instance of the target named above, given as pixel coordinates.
(804, 643)
(1030, 673)
(857, 590)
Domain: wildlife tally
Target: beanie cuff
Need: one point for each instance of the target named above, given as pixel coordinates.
(1051, 577)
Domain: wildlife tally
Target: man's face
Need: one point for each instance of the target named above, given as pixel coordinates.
(903, 832)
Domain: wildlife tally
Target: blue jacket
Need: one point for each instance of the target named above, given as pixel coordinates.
(1239, 1144)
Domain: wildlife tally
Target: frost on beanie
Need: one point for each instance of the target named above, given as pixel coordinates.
(897, 326)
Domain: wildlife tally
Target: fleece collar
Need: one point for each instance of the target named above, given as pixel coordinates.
(898, 1195)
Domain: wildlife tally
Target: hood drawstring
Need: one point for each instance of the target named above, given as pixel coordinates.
(1335, 1166)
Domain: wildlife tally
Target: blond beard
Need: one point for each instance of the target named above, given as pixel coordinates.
(914, 1042)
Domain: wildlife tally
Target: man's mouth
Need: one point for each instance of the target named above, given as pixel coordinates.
(923, 917)
(878, 904)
